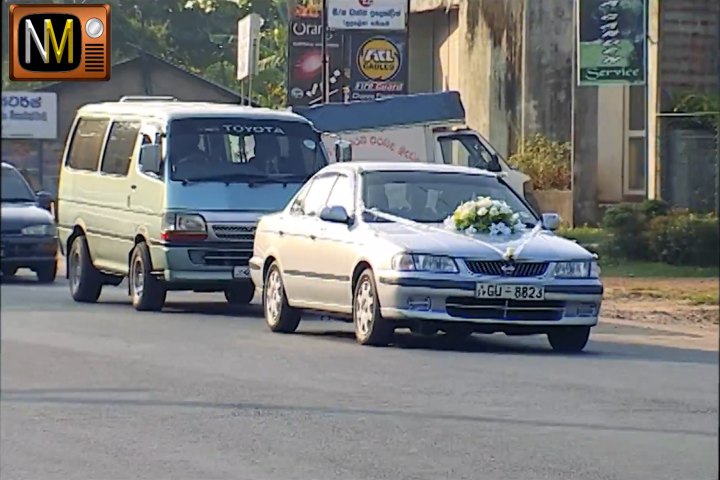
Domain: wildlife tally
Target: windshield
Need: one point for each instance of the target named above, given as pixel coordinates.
(237, 149)
(431, 197)
(14, 187)
(464, 150)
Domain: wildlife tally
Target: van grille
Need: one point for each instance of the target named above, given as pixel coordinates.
(234, 232)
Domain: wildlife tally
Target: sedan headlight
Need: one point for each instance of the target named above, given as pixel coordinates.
(46, 230)
(577, 270)
(424, 263)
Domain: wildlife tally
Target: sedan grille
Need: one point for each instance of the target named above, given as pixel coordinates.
(507, 269)
(475, 308)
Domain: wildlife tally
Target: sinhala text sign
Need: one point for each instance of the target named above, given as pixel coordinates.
(611, 42)
(367, 14)
(29, 115)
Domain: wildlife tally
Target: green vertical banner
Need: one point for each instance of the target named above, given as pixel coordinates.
(612, 42)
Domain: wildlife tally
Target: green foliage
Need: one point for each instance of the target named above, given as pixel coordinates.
(546, 162)
(692, 102)
(683, 238)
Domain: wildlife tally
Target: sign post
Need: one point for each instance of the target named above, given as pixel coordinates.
(248, 49)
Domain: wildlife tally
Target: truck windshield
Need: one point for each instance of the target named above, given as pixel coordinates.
(464, 150)
(238, 149)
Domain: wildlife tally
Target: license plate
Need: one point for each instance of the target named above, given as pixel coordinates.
(241, 272)
(509, 292)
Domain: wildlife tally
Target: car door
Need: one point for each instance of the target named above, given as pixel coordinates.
(333, 251)
(299, 257)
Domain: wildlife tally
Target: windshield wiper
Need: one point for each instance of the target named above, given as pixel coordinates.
(18, 200)
(228, 178)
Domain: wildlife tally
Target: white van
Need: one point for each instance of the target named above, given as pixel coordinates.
(168, 193)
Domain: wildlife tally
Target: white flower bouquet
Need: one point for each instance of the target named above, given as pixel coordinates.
(486, 216)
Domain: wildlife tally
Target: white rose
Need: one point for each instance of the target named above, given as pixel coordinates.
(482, 211)
(484, 202)
(515, 217)
(505, 209)
(494, 211)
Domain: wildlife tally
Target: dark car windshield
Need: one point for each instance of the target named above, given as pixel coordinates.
(240, 150)
(431, 197)
(14, 187)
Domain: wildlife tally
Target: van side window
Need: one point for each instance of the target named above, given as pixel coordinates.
(120, 147)
(84, 153)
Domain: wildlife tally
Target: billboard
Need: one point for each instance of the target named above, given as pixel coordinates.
(367, 14)
(612, 42)
(379, 66)
(29, 115)
(304, 85)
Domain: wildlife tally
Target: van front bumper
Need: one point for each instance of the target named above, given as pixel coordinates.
(202, 265)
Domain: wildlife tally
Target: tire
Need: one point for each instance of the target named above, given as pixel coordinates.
(47, 273)
(84, 279)
(241, 294)
(370, 327)
(147, 293)
(279, 315)
(458, 333)
(569, 339)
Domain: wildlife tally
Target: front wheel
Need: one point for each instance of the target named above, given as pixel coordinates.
(279, 315)
(370, 327)
(47, 273)
(569, 339)
(240, 294)
(147, 292)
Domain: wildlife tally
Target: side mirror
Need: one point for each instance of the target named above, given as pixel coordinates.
(335, 215)
(44, 200)
(150, 158)
(343, 151)
(494, 164)
(551, 221)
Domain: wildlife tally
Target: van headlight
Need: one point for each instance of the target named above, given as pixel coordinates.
(424, 263)
(577, 270)
(45, 230)
(184, 226)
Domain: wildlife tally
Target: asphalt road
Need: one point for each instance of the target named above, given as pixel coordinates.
(202, 391)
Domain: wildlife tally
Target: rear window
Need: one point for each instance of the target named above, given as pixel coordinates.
(86, 144)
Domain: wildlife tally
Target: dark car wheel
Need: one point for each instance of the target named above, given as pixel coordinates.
(9, 271)
(147, 293)
(47, 273)
(240, 294)
(85, 280)
(569, 339)
(279, 315)
(370, 327)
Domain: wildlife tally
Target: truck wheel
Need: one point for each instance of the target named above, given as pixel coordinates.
(146, 292)
(240, 294)
(47, 273)
(84, 279)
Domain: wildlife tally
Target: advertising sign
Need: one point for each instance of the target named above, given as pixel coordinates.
(304, 85)
(367, 14)
(612, 38)
(29, 115)
(248, 45)
(379, 66)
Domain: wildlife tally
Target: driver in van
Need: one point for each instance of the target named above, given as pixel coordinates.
(267, 154)
(188, 152)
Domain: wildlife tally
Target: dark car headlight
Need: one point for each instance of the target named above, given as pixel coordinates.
(44, 230)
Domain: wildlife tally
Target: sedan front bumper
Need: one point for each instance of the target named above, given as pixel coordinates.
(452, 298)
(26, 251)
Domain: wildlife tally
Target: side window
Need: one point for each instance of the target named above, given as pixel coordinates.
(120, 147)
(297, 206)
(342, 194)
(84, 153)
(317, 195)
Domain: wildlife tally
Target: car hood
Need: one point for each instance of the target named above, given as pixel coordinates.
(435, 239)
(16, 216)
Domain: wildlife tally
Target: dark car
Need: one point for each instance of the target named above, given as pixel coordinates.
(29, 231)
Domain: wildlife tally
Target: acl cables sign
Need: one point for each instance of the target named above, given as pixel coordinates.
(367, 14)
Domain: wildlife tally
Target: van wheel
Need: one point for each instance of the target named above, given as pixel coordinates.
(84, 279)
(240, 294)
(146, 292)
(47, 273)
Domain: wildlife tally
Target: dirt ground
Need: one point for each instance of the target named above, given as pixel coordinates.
(681, 312)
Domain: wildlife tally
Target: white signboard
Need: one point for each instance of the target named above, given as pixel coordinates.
(367, 14)
(248, 45)
(29, 115)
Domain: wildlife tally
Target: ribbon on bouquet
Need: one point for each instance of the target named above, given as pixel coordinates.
(509, 255)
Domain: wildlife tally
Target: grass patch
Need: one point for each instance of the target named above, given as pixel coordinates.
(585, 235)
(655, 270)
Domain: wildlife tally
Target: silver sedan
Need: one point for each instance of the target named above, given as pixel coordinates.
(365, 242)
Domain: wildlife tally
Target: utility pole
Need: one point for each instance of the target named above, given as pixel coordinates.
(324, 53)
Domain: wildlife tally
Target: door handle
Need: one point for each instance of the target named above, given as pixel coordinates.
(313, 236)
(133, 187)
(281, 233)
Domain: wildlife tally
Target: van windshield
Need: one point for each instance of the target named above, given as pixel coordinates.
(242, 150)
